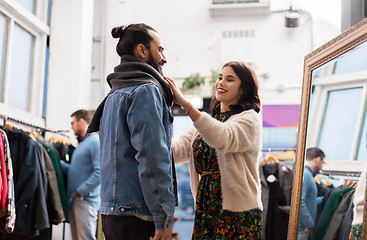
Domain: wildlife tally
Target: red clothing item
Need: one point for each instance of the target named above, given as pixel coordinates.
(4, 178)
(3, 183)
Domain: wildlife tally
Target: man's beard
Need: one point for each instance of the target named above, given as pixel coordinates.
(154, 64)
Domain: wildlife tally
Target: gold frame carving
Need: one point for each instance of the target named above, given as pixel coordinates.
(341, 44)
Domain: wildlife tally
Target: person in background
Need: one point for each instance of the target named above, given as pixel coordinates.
(135, 126)
(314, 162)
(83, 179)
(224, 153)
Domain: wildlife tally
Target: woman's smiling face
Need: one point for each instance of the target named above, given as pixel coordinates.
(228, 88)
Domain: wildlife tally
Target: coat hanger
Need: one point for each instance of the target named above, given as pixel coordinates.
(271, 159)
(317, 180)
(349, 183)
(32, 135)
(54, 139)
(286, 155)
(328, 184)
(66, 141)
(10, 127)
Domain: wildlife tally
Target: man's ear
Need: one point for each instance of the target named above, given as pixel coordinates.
(141, 52)
(81, 120)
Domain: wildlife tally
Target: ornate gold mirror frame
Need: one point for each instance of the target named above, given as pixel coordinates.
(346, 41)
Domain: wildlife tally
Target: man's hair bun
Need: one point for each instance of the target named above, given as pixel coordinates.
(118, 32)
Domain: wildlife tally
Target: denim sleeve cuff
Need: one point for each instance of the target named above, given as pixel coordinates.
(309, 224)
(163, 222)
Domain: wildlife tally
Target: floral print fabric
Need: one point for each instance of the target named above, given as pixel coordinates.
(356, 232)
(211, 221)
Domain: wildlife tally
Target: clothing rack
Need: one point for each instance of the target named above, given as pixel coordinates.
(277, 149)
(38, 129)
(354, 176)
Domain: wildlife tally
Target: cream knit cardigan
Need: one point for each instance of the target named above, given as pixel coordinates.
(237, 143)
(359, 197)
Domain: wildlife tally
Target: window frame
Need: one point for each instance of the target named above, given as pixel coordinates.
(36, 25)
(322, 87)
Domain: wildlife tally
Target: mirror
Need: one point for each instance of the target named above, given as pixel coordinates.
(334, 85)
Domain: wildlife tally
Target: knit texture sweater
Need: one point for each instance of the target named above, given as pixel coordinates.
(84, 171)
(308, 202)
(237, 143)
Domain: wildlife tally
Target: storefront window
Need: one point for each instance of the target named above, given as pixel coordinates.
(3, 37)
(20, 68)
(352, 62)
(341, 115)
(30, 5)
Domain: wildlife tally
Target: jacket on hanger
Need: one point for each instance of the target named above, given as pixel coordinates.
(283, 180)
(28, 203)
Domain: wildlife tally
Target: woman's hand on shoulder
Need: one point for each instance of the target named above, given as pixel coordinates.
(178, 97)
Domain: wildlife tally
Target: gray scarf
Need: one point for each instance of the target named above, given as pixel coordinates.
(131, 72)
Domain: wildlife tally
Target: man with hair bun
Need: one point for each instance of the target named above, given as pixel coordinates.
(135, 126)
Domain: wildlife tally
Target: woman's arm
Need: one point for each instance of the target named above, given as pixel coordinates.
(181, 147)
(238, 134)
(242, 132)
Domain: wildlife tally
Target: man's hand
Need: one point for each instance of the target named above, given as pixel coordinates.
(306, 230)
(163, 234)
(76, 197)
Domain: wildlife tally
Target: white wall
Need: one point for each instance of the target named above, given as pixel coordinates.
(192, 41)
(70, 61)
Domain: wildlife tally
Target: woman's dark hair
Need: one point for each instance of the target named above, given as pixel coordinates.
(130, 36)
(250, 87)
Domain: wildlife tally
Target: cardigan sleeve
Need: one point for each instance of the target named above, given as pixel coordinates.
(359, 197)
(181, 147)
(240, 133)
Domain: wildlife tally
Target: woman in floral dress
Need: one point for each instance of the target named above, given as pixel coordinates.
(223, 151)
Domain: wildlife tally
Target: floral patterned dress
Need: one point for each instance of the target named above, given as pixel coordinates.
(211, 221)
(356, 232)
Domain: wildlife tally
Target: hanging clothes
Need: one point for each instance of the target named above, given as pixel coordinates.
(60, 181)
(32, 193)
(346, 224)
(28, 186)
(64, 150)
(10, 214)
(326, 193)
(54, 205)
(328, 211)
(42, 218)
(276, 184)
(3, 185)
(338, 216)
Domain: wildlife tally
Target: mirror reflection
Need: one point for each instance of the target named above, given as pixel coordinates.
(335, 153)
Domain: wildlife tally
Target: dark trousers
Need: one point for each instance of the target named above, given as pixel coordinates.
(126, 228)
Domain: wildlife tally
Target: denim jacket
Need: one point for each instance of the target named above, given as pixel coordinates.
(136, 171)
